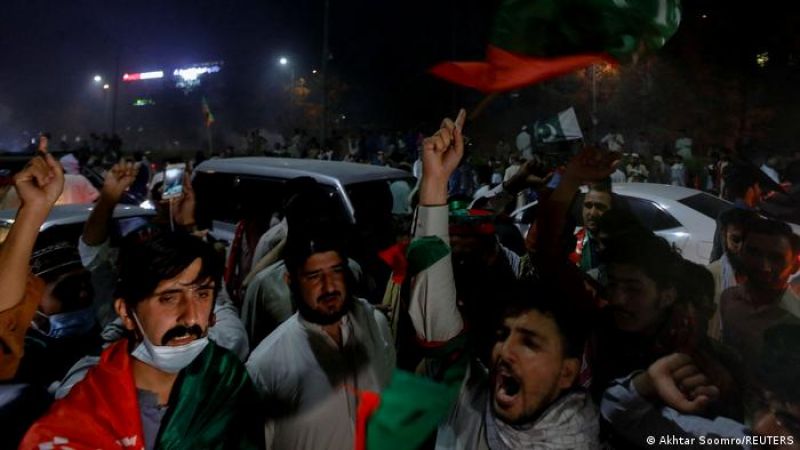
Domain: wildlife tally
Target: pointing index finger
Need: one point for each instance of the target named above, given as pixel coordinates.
(462, 116)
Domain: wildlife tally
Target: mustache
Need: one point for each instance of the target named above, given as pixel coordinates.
(181, 330)
(329, 295)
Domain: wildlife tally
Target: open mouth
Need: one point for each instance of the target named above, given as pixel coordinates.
(507, 388)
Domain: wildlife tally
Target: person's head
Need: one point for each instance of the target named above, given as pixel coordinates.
(166, 288)
(618, 224)
(732, 224)
(778, 413)
(741, 183)
(65, 309)
(596, 203)
(537, 351)
(769, 254)
(318, 275)
(696, 288)
(635, 159)
(642, 282)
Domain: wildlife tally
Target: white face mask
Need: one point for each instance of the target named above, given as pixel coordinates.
(167, 358)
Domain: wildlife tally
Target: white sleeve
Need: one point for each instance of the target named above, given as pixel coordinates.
(228, 330)
(93, 256)
(433, 308)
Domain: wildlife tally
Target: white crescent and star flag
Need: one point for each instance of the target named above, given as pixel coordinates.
(563, 127)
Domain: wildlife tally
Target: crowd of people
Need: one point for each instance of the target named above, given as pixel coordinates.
(450, 332)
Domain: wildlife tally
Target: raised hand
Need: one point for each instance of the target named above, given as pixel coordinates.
(118, 179)
(184, 206)
(680, 384)
(591, 165)
(40, 183)
(441, 154)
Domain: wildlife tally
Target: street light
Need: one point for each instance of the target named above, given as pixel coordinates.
(98, 78)
(106, 86)
(283, 61)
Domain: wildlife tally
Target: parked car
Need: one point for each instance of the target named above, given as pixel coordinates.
(685, 217)
(65, 222)
(229, 189)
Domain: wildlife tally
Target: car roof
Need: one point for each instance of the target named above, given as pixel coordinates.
(328, 172)
(78, 213)
(652, 190)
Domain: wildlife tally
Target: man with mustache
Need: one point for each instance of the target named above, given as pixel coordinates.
(167, 385)
(769, 258)
(311, 368)
(596, 202)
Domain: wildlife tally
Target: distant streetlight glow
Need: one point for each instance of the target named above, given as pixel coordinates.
(98, 78)
(106, 86)
(704, 16)
(314, 71)
(283, 61)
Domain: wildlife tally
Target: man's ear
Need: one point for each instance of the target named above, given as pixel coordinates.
(123, 313)
(570, 369)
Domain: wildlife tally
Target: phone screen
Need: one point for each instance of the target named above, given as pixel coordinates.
(173, 181)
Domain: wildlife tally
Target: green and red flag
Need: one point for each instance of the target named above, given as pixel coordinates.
(535, 40)
(207, 116)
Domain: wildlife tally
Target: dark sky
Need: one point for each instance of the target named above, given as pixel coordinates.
(50, 50)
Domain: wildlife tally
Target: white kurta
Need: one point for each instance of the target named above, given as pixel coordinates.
(309, 383)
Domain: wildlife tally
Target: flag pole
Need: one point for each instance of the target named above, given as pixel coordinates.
(210, 144)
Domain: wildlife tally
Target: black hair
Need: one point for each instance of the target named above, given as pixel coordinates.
(737, 217)
(760, 225)
(601, 186)
(652, 254)
(738, 179)
(697, 288)
(144, 264)
(548, 299)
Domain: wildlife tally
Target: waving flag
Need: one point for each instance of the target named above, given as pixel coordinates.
(534, 40)
(563, 127)
(209, 118)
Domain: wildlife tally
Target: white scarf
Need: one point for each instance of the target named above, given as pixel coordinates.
(571, 422)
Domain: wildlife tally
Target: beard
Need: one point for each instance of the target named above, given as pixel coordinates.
(323, 318)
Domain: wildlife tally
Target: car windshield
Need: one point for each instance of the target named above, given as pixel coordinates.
(706, 204)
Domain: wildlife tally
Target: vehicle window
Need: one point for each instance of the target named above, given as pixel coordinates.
(707, 205)
(229, 198)
(365, 196)
(650, 214)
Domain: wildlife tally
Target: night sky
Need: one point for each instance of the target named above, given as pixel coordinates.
(380, 50)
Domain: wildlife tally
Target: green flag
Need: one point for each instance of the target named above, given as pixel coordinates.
(563, 127)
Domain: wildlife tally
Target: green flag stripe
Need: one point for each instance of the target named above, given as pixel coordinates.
(423, 252)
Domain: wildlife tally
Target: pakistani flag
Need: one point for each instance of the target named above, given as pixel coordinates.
(563, 127)
(534, 40)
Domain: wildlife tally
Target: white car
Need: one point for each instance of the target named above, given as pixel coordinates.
(684, 217)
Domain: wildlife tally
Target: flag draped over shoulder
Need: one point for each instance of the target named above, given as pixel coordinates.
(211, 407)
(535, 40)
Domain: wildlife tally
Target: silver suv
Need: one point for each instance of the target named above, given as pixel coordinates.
(229, 190)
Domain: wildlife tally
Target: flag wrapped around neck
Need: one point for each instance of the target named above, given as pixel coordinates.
(535, 40)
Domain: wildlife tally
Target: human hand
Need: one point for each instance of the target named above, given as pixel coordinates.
(118, 179)
(183, 207)
(591, 165)
(40, 183)
(677, 381)
(441, 154)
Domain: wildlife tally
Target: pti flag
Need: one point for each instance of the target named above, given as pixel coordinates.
(208, 117)
(534, 40)
(563, 127)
